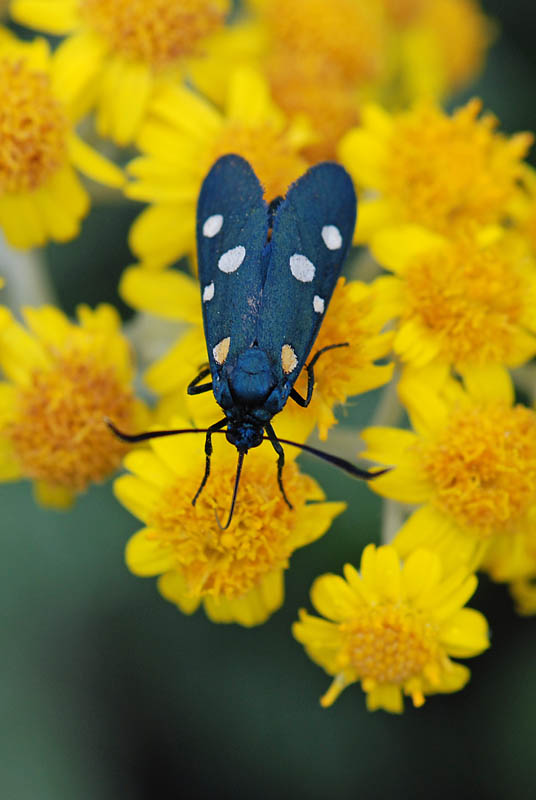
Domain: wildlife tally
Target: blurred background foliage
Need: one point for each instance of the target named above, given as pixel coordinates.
(107, 691)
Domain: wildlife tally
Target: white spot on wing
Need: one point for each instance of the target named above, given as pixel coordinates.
(332, 237)
(289, 359)
(302, 269)
(208, 292)
(221, 351)
(231, 259)
(212, 225)
(318, 304)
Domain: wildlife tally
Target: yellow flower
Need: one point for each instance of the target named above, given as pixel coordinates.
(41, 196)
(437, 46)
(426, 168)
(320, 56)
(353, 316)
(182, 138)
(62, 379)
(394, 628)
(470, 465)
(119, 52)
(238, 573)
(466, 301)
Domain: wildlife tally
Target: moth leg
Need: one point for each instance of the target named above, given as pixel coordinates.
(296, 396)
(276, 444)
(208, 452)
(194, 388)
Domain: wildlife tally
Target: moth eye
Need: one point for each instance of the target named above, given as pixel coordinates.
(221, 351)
(208, 292)
(318, 304)
(332, 237)
(289, 360)
(231, 259)
(302, 269)
(212, 225)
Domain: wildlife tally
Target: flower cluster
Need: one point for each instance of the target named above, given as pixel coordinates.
(439, 295)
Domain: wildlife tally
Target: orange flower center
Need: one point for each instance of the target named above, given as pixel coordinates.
(446, 171)
(33, 128)
(483, 467)
(473, 299)
(388, 644)
(230, 563)
(157, 32)
(273, 156)
(60, 436)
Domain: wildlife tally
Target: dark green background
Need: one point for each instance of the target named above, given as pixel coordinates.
(107, 691)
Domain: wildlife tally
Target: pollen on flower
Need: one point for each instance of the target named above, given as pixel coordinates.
(273, 157)
(157, 32)
(388, 644)
(483, 467)
(33, 128)
(474, 299)
(59, 435)
(256, 543)
(447, 171)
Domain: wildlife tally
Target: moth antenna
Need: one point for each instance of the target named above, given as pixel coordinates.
(241, 455)
(132, 438)
(341, 463)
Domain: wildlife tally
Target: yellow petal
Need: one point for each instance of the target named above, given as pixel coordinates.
(388, 578)
(421, 573)
(313, 521)
(363, 155)
(146, 556)
(172, 294)
(387, 697)
(10, 469)
(188, 112)
(20, 353)
(57, 17)
(21, 220)
(75, 70)
(333, 598)
(489, 383)
(254, 608)
(136, 495)
(249, 98)
(394, 248)
(53, 496)
(174, 588)
(465, 634)
(162, 234)
(92, 164)
(146, 465)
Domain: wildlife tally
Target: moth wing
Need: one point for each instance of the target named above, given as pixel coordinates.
(232, 230)
(312, 233)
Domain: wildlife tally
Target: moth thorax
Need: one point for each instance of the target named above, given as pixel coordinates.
(251, 381)
(244, 436)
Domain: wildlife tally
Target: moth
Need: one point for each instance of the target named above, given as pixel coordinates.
(267, 274)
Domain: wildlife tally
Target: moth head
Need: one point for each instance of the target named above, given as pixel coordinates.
(244, 435)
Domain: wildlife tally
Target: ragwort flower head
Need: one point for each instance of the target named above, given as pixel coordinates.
(445, 173)
(41, 196)
(237, 574)
(393, 627)
(470, 464)
(119, 51)
(182, 138)
(354, 315)
(464, 301)
(62, 380)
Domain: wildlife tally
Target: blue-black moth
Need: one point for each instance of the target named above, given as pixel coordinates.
(267, 273)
